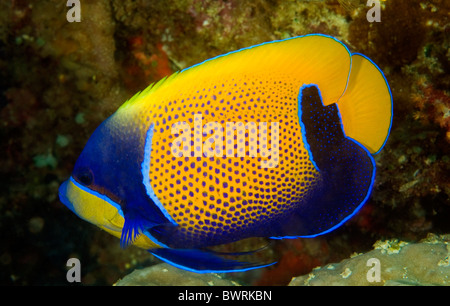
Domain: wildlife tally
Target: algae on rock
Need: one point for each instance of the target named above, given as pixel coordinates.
(400, 263)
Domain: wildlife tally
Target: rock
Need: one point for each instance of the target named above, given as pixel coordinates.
(391, 263)
(167, 275)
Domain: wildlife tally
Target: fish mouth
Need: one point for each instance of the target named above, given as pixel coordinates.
(112, 223)
(63, 198)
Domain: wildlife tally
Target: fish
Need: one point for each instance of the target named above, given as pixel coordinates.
(272, 141)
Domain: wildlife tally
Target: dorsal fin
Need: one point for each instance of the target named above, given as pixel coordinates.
(310, 59)
(141, 94)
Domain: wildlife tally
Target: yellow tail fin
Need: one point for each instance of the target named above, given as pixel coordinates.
(366, 106)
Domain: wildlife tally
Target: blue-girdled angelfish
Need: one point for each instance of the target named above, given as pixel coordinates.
(275, 140)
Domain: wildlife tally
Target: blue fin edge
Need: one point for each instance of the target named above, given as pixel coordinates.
(145, 170)
(204, 261)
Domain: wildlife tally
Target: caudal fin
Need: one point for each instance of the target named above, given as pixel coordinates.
(366, 106)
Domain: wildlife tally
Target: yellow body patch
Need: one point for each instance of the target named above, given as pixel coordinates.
(208, 193)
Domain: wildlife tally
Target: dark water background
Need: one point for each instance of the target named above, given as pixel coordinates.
(59, 80)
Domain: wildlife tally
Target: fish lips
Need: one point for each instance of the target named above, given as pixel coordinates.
(63, 198)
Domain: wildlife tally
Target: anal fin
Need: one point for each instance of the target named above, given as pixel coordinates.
(206, 261)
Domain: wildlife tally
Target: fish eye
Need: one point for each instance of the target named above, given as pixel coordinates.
(84, 176)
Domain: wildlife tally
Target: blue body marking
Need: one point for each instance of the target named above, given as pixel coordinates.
(145, 170)
(354, 211)
(302, 125)
(359, 206)
(311, 156)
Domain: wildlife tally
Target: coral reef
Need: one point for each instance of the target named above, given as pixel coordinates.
(391, 263)
(299, 256)
(59, 80)
(166, 275)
